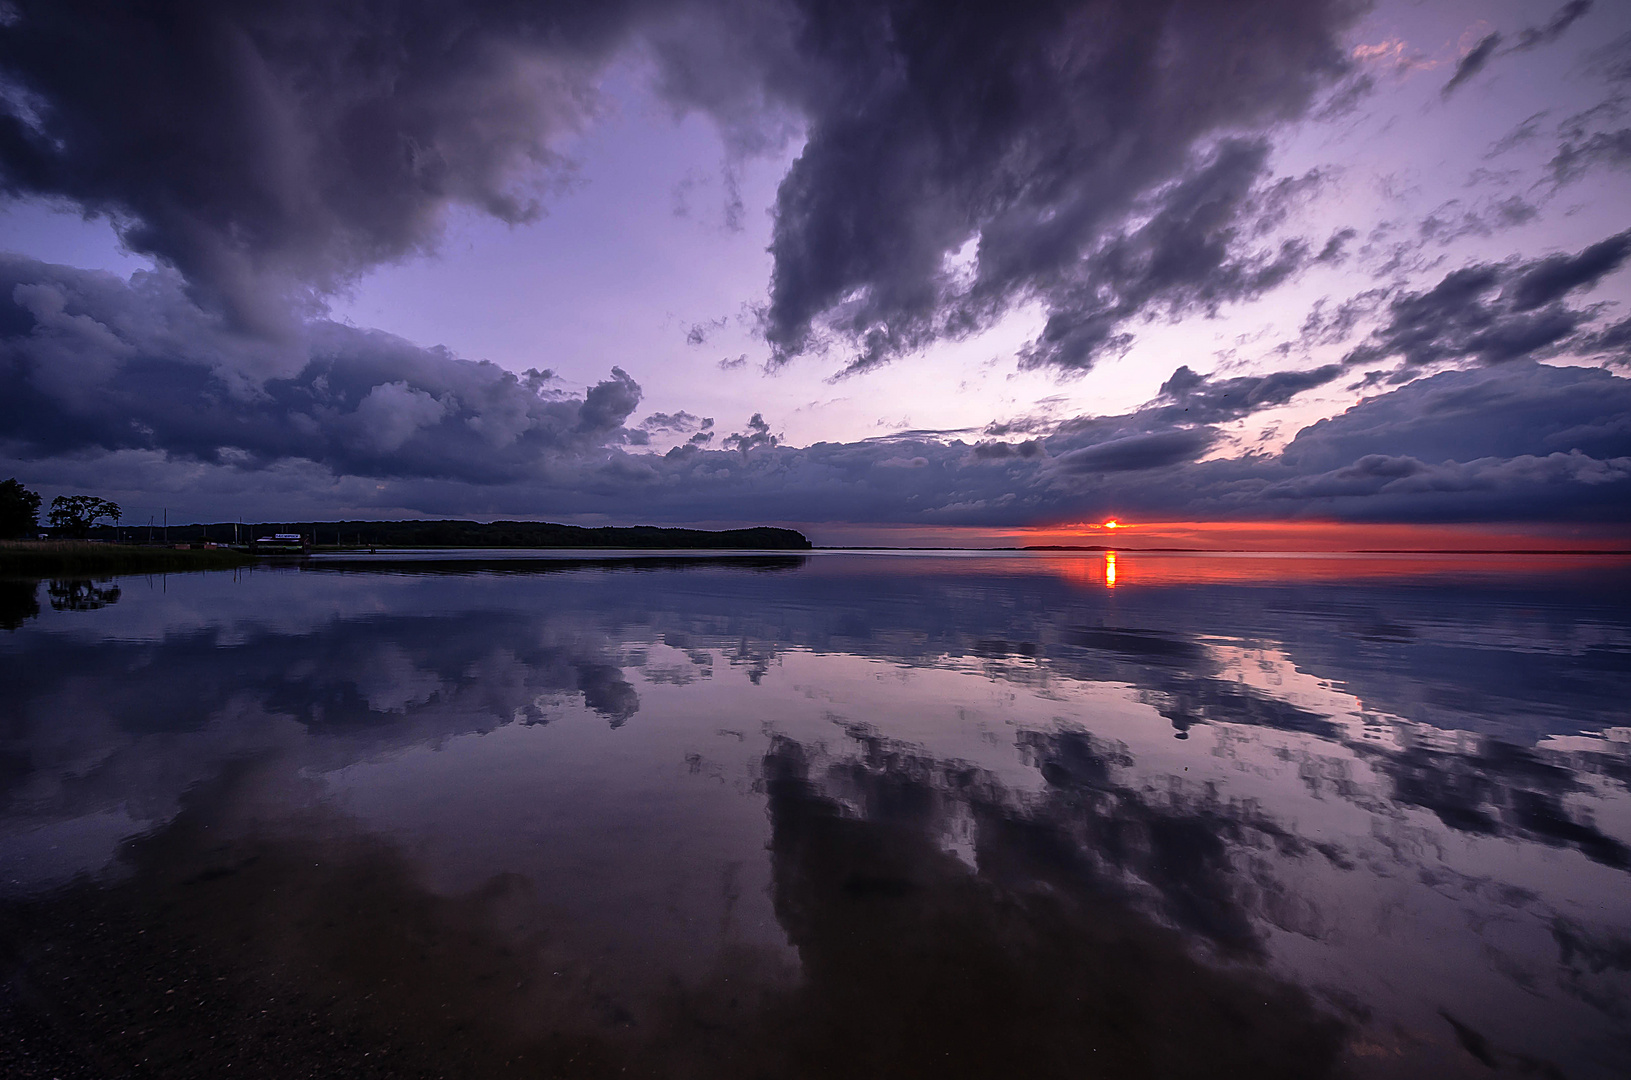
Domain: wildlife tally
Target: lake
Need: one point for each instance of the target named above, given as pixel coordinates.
(836, 814)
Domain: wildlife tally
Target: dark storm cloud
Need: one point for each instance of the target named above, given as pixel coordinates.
(1492, 312)
(264, 148)
(1191, 256)
(1033, 131)
(273, 151)
(130, 386)
(88, 362)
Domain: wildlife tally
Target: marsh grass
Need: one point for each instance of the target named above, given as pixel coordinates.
(59, 558)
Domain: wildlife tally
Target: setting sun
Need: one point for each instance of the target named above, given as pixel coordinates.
(614, 495)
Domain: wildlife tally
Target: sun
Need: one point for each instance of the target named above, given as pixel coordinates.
(1112, 524)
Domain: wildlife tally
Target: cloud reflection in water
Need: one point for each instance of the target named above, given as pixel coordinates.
(1396, 810)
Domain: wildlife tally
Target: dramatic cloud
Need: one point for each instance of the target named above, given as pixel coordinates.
(88, 363)
(1106, 163)
(1198, 399)
(1548, 279)
(135, 381)
(271, 152)
(264, 149)
(1521, 409)
(1189, 257)
(1518, 442)
(1031, 133)
(1492, 313)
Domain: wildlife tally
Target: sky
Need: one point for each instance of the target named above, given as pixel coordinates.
(887, 271)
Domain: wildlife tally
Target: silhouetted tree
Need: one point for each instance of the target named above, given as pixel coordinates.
(19, 510)
(75, 514)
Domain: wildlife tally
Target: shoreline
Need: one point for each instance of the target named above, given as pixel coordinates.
(69, 558)
(63, 558)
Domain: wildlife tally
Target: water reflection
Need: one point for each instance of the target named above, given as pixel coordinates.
(19, 598)
(1035, 963)
(81, 595)
(19, 602)
(852, 816)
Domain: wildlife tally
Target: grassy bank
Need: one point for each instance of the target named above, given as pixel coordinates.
(67, 558)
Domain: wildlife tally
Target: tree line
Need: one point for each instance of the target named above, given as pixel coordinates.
(70, 515)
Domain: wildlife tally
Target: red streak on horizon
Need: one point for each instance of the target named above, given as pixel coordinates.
(1326, 536)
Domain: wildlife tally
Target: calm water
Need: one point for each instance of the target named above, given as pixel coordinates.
(832, 815)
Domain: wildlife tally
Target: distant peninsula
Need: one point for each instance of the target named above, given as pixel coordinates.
(493, 534)
(179, 548)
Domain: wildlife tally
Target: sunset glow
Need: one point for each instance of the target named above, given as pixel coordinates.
(630, 296)
(1333, 536)
(801, 538)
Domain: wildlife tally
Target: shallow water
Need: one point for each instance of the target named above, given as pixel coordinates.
(935, 814)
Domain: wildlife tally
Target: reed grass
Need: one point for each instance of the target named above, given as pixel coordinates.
(67, 558)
